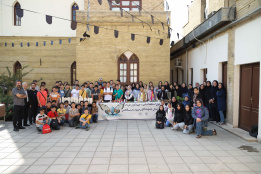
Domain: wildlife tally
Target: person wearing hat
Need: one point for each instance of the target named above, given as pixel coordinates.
(36, 87)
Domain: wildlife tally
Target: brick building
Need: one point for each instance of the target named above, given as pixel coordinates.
(101, 55)
(220, 42)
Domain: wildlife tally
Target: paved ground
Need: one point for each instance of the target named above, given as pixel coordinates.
(124, 147)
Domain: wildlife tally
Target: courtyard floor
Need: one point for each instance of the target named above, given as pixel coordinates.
(132, 146)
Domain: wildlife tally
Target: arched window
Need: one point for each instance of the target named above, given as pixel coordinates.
(18, 69)
(17, 19)
(128, 68)
(74, 8)
(73, 72)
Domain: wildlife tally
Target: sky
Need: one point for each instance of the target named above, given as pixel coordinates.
(179, 16)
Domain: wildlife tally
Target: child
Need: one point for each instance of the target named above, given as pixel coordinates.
(188, 120)
(81, 103)
(169, 115)
(48, 107)
(73, 116)
(61, 113)
(86, 105)
(53, 121)
(94, 118)
(55, 96)
(41, 119)
(79, 107)
(178, 119)
(85, 120)
(160, 118)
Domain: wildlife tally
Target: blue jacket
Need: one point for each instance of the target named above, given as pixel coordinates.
(204, 115)
(221, 100)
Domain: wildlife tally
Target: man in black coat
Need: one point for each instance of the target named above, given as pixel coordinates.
(162, 95)
(26, 104)
(33, 103)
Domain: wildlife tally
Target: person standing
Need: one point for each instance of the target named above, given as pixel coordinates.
(67, 91)
(96, 94)
(18, 100)
(37, 88)
(221, 102)
(75, 92)
(41, 97)
(118, 93)
(26, 104)
(33, 103)
(213, 102)
(108, 91)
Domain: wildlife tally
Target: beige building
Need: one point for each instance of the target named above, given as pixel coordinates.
(221, 41)
(101, 54)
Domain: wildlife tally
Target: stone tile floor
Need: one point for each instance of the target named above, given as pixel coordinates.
(132, 146)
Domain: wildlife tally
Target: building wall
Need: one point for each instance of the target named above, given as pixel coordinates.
(33, 24)
(97, 56)
(55, 59)
(195, 15)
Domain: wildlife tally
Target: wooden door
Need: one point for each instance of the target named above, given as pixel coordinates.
(249, 96)
(224, 74)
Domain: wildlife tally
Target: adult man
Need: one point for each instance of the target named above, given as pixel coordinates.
(197, 85)
(108, 91)
(36, 87)
(118, 93)
(33, 103)
(96, 94)
(41, 97)
(75, 92)
(88, 91)
(67, 91)
(26, 104)
(76, 83)
(119, 83)
(82, 92)
(18, 100)
(100, 81)
(162, 95)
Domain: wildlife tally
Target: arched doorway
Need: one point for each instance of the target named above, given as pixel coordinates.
(18, 69)
(73, 72)
(128, 68)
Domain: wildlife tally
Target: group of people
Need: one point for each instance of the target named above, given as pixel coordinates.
(29, 103)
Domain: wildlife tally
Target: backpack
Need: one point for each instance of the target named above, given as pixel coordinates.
(46, 129)
(254, 131)
(54, 124)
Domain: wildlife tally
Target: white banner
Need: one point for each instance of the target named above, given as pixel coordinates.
(142, 110)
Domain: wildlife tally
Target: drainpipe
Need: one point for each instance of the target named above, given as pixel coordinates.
(187, 65)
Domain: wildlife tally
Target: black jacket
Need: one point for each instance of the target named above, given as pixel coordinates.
(207, 94)
(179, 116)
(179, 92)
(172, 92)
(188, 119)
(190, 93)
(165, 95)
(184, 90)
(160, 116)
(202, 93)
(213, 93)
(33, 97)
(199, 96)
(174, 104)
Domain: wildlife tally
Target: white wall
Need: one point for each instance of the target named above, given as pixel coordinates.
(208, 56)
(248, 42)
(35, 24)
(247, 50)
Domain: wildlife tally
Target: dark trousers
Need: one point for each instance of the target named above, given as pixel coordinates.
(106, 101)
(32, 113)
(18, 115)
(160, 126)
(74, 121)
(26, 109)
(213, 112)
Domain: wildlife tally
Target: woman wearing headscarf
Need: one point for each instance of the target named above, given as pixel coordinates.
(166, 85)
(128, 94)
(174, 102)
(178, 119)
(190, 91)
(188, 120)
(160, 118)
(146, 88)
(151, 94)
(171, 91)
(213, 102)
(136, 91)
(221, 102)
(184, 90)
(133, 86)
(201, 115)
(196, 96)
(186, 101)
(178, 90)
(141, 84)
(202, 92)
(207, 95)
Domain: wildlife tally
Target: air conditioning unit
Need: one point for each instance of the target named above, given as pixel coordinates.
(178, 62)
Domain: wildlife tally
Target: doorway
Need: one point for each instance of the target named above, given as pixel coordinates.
(249, 96)
(224, 74)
